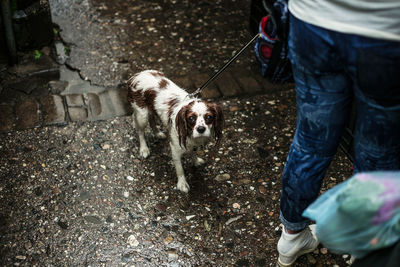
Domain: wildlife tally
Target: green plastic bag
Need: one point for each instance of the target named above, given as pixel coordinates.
(359, 215)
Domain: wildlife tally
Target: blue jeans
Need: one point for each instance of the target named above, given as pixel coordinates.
(332, 70)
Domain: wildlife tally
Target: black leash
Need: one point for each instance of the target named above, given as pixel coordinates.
(198, 91)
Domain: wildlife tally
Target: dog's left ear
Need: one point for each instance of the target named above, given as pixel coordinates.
(219, 121)
(181, 126)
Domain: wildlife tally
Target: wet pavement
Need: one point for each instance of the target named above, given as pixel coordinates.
(77, 194)
(80, 196)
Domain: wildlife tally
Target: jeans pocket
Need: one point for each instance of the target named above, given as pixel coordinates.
(379, 77)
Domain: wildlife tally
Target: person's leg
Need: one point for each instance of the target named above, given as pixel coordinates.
(376, 71)
(323, 93)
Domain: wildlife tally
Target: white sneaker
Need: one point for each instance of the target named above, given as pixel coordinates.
(291, 246)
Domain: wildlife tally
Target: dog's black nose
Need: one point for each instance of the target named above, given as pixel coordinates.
(201, 129)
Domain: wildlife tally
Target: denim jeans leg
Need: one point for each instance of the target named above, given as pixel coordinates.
(377, 95)
(323, 99)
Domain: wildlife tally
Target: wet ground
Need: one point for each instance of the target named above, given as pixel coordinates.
(110, 40)
(79, 195)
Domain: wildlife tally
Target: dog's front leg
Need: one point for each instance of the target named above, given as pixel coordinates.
(176, 152)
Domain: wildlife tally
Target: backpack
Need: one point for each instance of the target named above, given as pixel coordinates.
(271, 48)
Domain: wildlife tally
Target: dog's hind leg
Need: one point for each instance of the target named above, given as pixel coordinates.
(158, 133)
(141, 117)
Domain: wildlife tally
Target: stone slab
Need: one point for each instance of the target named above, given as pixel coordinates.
(227, 85)
(6, 118)
(27, 114)
(246, 81)
(57, 87)
(93, 101)
(77, 113)
(74, 100)
(269, 87)
(52, 108)
(184, 82)
(44, 64)
(211, 91)
(108, 104)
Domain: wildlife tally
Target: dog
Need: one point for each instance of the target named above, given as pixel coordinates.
(190, 121)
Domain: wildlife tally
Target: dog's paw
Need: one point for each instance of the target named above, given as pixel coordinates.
(198, 161)
(183, 186)
(161, 135)
(144, 152)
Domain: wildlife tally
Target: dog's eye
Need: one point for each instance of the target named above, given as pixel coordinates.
(191, 118)
(209, 117)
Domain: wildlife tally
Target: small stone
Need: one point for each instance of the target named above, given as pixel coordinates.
(126, 194)
(92, 219)
(20, 257)
(161, 207)
(236, 205)
(63, 225)
(172, 255)
(244, 181)
(130, 178)
(27, 245)
(84, 195)
(324, 250)
(126, 258)
(262, 189)
(311, 259)
(190, 217)
(132, 241)
(233, 108)
(168, 240)
(222, 177)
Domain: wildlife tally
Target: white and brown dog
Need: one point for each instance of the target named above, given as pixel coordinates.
(191, 122)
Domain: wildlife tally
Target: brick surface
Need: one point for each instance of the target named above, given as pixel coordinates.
(247, 81)
(269, 87)
(56, 87)
(119, 101)
(108, 104)
(74, 100)
(78, 114)
(6, 118)
(184, 82)
(94, 104)
(211, 91)
(227, 85)
(52, 107)
(27, 114)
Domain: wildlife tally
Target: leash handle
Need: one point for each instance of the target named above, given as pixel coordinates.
(225, 66)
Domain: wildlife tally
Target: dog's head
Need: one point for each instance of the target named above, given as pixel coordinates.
(199, 119)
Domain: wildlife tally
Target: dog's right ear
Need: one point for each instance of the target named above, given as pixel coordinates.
(181, 126)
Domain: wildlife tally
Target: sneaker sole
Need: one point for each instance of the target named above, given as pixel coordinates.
(281, 264)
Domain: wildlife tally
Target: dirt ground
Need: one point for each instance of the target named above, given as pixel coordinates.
(80, 195)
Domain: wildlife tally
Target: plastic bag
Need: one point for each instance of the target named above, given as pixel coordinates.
(359, 215)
